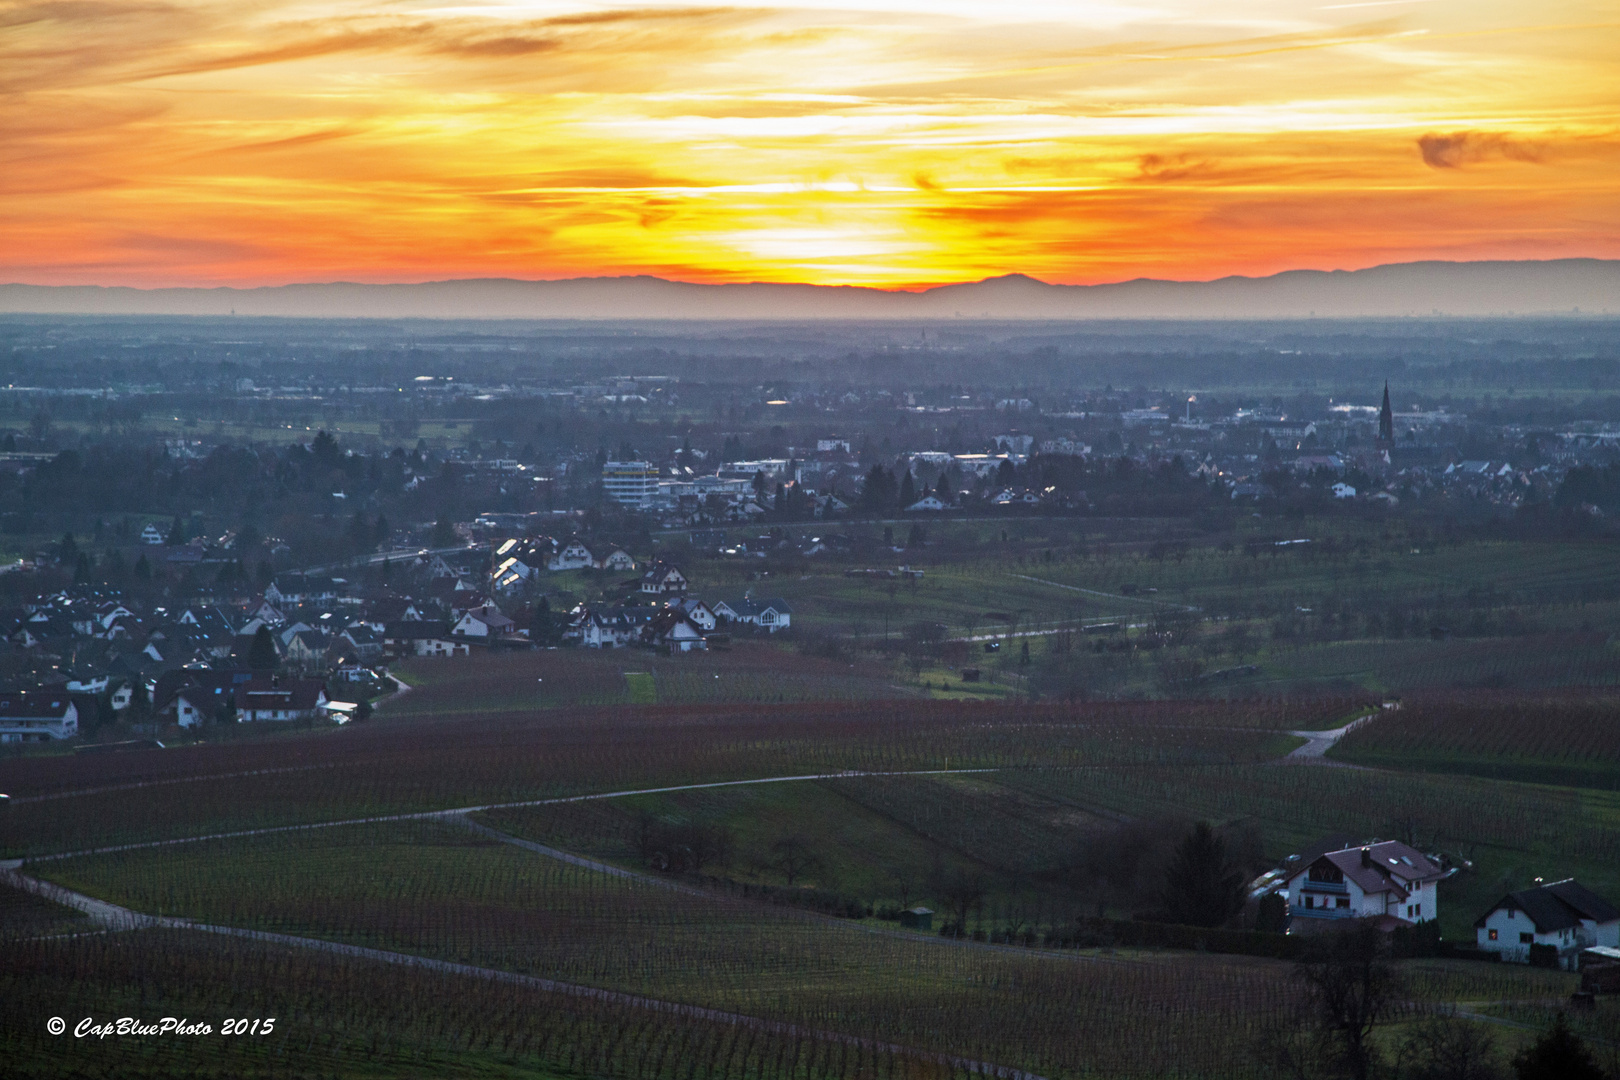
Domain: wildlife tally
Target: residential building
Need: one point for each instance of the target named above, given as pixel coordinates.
(1564, 916)
(485, 623)
(37, 716)
(664, 579)
(1390, 882)
(673, 632)
(630, 483)
(279, 699)
(769, 615)
(421, 638)
(573, 555)
(697, 611)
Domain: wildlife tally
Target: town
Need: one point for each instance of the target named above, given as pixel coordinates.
(944, 662)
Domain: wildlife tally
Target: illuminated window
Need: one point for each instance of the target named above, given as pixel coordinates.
(1493, 935)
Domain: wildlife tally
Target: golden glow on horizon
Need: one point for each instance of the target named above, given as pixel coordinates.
(878, 142)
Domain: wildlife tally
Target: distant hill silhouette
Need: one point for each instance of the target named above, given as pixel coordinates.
(1421, 288)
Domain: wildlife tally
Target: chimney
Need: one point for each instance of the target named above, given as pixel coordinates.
(1366, 856)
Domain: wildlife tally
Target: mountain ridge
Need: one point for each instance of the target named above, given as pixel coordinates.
(1479, 288)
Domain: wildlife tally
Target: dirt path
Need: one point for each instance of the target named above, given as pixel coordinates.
(113, 917)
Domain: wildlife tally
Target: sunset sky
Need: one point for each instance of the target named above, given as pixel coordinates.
(873, 142)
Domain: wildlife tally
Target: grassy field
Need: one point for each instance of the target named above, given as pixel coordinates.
(752, 672)
(1386, 607)
(1513, 833)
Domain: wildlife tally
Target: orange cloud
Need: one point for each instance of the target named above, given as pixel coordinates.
(889, 142)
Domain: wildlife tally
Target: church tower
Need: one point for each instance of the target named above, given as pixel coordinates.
(1386, 422)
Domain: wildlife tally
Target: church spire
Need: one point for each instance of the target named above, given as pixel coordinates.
(1386, 420)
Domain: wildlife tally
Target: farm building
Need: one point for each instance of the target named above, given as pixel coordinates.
(1390, 882)
(917, 918)
(1563, 917)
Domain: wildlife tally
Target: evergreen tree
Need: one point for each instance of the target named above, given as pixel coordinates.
(942, 490)
(68, 551)
(544, 630)
(326, 450)
(444, 533)
(262, 653)
(143, 569)
(1202, 885)
(1272, 917)
(1559, 1054)
(908, 490)
(878, 492)
(140, 702)
(177, 532)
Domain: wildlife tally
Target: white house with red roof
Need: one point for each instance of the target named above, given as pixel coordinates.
(1389, 881)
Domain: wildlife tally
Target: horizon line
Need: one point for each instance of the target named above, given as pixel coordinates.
(913, 289)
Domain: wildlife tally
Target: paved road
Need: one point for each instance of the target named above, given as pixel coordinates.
(1318, 743)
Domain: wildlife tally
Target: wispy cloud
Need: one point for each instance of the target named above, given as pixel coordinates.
(885, 141)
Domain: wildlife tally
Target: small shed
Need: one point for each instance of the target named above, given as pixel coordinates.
(1600, 970)
(917, 918)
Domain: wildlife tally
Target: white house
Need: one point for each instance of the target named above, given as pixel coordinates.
(573, 555)
(151, 535)
(770, 615)
(674, 632)
(37, 717)
(663, 578)
(1342, 490)
(293, 699)
(603, 631)
(1565, 915)
(1378, 881)
(928, 503)
(616, 559)
(421, 638)
(697, 611)
(484, 623)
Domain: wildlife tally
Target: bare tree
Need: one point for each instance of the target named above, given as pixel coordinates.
(793, 857)
(1446, 1047)
(962, 893)
(1352, 988)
